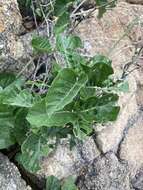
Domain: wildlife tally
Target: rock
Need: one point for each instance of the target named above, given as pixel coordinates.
(64, 162)
(105, 173)
(10, 178)
(115, 35)
(137, 181)
(131, 148)
(13, 54)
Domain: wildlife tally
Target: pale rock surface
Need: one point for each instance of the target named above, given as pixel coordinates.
(10, 178)
(106, 173)
(13, 54)
(113, 35)
(131, 148)
(116, 36)
(64, 162)
(137, 181)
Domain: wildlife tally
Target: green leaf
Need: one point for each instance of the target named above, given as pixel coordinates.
(21, 125)
(67, 46)
(39, 117)
(64, 43)
(99, 59)
(56, 68)
(61, 6)
(62, 22)
(100, 109)
(6, 127)
(22, 99)
(98, 70)
(6, 138)
(82, 130)
(101, 71)
(63, 90)
(86, 128)
(86, 93)
(32, 149)
(41, 44)
(11, 90)
(53, 183)
(69, 184)
(101, 7)
(107, 113)
(6, 79)
(76, 61)
(58, 132)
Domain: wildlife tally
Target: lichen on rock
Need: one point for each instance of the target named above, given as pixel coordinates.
(106, 172)
(65, 162)
(10, 178)
(13, 56)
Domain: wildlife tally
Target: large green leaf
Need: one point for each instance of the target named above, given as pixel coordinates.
(53, 183)
(63, 90)
(33, 149)
(6, 127)
(21, 126)
(41, 44)
(6, 138)
(21, 99)
(38, 116)
(100, 109)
